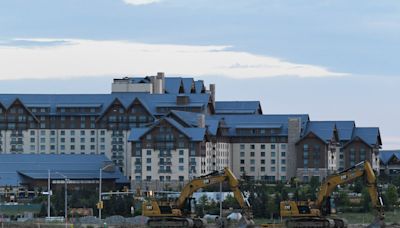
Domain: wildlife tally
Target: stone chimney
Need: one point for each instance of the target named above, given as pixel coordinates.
(201, 120)
(294, 131)
(212, 91)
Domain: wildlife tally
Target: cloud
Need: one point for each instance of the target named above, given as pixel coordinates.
(140, 2)
(77, 57)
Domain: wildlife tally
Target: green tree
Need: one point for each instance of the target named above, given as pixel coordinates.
(392, 196)
(230, 202)
(365, 200)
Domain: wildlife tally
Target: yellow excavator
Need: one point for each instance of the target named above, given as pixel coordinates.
(315, 214)
(181, 213)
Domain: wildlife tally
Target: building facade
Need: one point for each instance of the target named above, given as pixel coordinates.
(173, 128)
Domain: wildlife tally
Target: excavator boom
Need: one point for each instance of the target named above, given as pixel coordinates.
(174, 213)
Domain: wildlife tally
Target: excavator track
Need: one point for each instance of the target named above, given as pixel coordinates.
(310, 222)
(170, 222)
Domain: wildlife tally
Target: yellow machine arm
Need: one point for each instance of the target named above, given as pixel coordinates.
(211, 179)
(362, 169)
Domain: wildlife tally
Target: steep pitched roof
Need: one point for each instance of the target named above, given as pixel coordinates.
(193, 133)
(238, 107)
(325, 130)
(345, 129)
(370, 135)
(387, 155)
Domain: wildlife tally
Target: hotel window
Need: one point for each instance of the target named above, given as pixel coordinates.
(241, 169)
(102, 132)
(92, 147)
(273, 161)
(42, 147)
(242, 161)
(181, 152)
(252, 154)
(242, 146)
(42, 140)
(273, 169)
(82, 147)
(72, 140)
(252, 169)
(181, 168)
(148, 160)
(262, 169)
(262, 146)
(272, 146)
(62, 147)
(252, 146)
(362, 154)
(181, 160)
(273, 154)
(32, 140)
(283, 154)
(283, 146)
(32, 132)
(72, 132)
(262, 154)
(241, 153)
(252, 161)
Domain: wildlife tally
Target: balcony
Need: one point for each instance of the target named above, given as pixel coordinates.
(16, 150)
(17, 142)
(164, 163)
(117, 150)
(117, 142)
(138, 170)
(116, 157)
(164, 171)
(163, 155)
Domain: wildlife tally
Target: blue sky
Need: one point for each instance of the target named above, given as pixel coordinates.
(331, 59)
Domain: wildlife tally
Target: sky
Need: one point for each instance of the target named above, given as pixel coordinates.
(331, 59)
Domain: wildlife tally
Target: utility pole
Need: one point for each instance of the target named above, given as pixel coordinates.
(48, 195)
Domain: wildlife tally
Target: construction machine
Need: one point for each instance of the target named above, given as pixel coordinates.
(316, 214)
(181, 213)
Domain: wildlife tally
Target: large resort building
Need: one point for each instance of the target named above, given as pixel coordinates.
(172, 129)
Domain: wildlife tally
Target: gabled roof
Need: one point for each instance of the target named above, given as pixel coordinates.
(325, 130)
(370, 135)
(386, 156)
(345, 129)
(199, 85)
(13, 167)
(193, 133)
(191, 119)
(238, 107)
(102, 101)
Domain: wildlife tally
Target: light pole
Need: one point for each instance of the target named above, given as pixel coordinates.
(65, 198)
(48, 194)
(100, 204)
